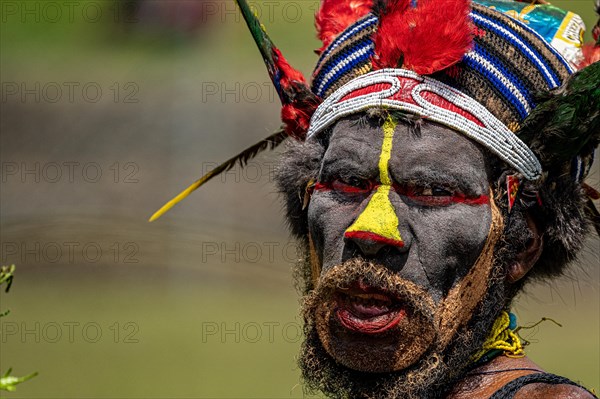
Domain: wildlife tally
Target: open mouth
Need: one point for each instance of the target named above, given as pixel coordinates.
(367, 310)
(369, 319)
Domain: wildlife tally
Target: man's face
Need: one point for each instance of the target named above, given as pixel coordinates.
(403, 227)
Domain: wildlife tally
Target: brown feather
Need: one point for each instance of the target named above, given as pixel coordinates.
(241, 159)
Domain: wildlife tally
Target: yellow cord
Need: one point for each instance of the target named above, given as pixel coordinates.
(502, 338)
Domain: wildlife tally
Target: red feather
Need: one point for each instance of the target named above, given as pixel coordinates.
(336, 15)
(429, 38)
(289, 75)
(297, 119)
(298, 102)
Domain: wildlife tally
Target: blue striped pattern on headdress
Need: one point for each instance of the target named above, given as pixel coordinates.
(332, 72)
(351, 54)
(352, 30)
(514, 77)
(509, 85)
(513, 38)
(504, 77)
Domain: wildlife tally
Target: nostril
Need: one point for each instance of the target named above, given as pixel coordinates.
(390, 256)
(368, 245)
(369, 248)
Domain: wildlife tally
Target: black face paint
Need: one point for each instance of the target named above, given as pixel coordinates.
(438, 182)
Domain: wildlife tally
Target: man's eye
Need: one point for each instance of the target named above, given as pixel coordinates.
(352, 185)
(435, 192)
(428, 195)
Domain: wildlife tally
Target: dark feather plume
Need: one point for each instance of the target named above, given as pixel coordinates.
(567, 123)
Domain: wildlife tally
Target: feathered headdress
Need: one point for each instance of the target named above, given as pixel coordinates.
(467, 65)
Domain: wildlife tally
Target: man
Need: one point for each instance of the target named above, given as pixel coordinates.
(437, 164)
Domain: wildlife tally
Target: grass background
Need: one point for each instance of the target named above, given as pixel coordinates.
(199, 304)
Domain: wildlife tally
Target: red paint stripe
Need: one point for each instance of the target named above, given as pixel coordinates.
(322, 187)
(481, 200)
(368, 236)
(406, 192)
(442, 201)
(342, 188)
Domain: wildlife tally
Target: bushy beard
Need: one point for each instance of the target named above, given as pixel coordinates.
(435, 372)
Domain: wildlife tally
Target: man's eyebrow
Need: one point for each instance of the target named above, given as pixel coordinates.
(457, 179)
(343, 167)
(349, 148)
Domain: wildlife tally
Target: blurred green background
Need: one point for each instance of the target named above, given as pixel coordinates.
(109, 109)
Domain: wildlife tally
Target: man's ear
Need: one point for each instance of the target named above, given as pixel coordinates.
(529, 256)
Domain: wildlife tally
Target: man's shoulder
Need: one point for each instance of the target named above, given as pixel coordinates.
(545, 391)
(517, 379)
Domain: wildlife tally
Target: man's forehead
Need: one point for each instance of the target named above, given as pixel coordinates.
(429, 149)
(356, 131)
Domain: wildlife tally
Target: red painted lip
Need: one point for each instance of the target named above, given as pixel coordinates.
(367, 310)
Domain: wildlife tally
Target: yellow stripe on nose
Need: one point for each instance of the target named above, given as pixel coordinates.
(378, 221)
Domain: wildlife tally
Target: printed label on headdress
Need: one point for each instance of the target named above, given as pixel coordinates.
(569, 38)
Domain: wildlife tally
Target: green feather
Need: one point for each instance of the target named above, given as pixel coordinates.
(265, 45)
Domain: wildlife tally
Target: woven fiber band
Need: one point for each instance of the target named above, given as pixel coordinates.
(435, 101)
